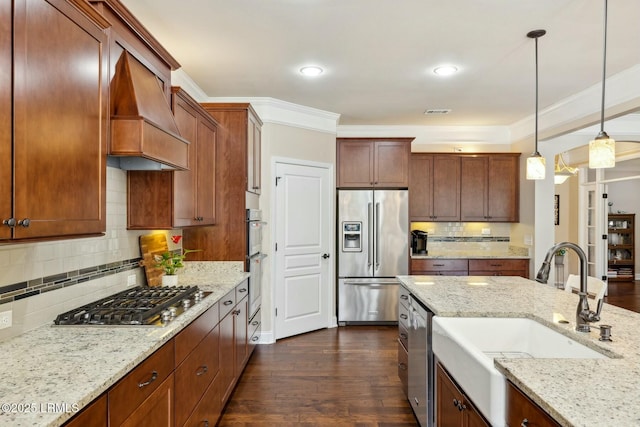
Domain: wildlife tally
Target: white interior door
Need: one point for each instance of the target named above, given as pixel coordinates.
(304, 285)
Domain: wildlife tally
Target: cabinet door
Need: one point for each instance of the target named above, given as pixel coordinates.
(448, 398)
(5, 118)
(94, 415)
(446, 188)
(355, 164)
(391, 167)
(503, 195)
(523, 411)
(474, 191)
(421, 188)
(206, 173)
(254, 136)
(60, 119)
(184, 187)
(227, 350)
(242, 338)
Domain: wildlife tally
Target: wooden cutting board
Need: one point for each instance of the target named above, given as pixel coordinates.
(150, 245)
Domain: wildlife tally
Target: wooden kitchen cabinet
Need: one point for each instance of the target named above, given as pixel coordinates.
(373, 163)
(489, 187)
(499, 267)
(227, 240)
(522, 411)
(52, 153)
(434, 187)
(440, 266)
(453, 407)
(172, 199)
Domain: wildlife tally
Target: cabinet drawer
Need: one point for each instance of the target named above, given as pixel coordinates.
(403, 296)
(498, 264)
(498, 273)
(403, 316)
(195, 374)
(520, 407)
(255, 322)
(242, 290)
(403, 335)
(191, 336)
(140, 383)
(436, 265)
(94, 415)
(403, 368)
(227, 303)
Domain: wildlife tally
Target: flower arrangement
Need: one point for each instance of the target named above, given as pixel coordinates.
(170, 262)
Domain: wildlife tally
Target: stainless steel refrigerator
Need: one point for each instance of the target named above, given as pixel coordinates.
(373, 239)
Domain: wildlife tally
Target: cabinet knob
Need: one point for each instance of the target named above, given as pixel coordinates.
(242, 290)
(11, 222)
(24, 222)
(202, 370)
(524, 423)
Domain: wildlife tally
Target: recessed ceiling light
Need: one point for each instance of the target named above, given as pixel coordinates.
(311, 71)
(445, 70)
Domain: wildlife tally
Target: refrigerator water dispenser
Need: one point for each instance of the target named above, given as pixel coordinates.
(352, 236)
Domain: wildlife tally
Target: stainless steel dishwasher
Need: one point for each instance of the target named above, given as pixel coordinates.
(420, 362)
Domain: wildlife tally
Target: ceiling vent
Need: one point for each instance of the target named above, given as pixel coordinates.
(437, 111)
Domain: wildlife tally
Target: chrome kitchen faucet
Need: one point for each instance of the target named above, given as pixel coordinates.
(584, 315)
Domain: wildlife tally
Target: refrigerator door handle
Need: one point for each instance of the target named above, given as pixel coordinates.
(370, 234)
(377, 232)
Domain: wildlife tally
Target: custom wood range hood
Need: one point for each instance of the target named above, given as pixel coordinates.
(144, 134)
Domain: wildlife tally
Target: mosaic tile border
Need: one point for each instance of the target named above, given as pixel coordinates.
(468, 239)
(18, 291)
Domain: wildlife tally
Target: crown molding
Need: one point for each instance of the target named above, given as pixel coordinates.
(276, 111)
(583, 108)
(182, 79)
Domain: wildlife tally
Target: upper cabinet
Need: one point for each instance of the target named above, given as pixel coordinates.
(490, 187)
(242, 129)
(373, 163)
(164, 200)
(53, 153)
(434, 179)
(464, 187)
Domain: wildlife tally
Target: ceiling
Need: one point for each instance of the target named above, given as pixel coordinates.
(378, 55)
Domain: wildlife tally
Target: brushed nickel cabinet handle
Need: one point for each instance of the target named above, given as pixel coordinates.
(228, 302)
(242, 290)
(24, 222)
(202, 370)
(11, 222)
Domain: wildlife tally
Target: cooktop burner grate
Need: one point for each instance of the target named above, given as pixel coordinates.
(141, 305)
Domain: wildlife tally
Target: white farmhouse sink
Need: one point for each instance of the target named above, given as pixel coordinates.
(467, 347)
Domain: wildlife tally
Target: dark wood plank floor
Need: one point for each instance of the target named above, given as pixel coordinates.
(624, 294)
(343, 376)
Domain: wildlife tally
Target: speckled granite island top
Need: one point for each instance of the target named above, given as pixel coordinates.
(576, 392)
(69, 366)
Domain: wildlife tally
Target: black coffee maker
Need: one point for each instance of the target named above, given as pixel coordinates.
(419, 242)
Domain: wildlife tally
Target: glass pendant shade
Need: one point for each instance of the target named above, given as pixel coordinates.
(563, 171)
(536, 166)
(602, 152)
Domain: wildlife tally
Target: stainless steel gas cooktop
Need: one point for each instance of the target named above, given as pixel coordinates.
(142, 305)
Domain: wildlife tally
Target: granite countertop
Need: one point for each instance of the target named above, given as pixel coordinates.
(576, 392)
(69, 366)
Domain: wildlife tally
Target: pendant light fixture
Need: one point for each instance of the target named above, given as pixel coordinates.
(602, 149)
(563, 171)
(536, 163)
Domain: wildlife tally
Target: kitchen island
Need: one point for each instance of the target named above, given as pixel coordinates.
(52, 372)
(575, 392)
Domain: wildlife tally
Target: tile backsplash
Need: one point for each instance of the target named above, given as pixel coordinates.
(41, 280)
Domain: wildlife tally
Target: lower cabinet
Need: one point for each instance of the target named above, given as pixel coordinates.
(522, 411)
(453, 408)
(188, 380)
(470, 267)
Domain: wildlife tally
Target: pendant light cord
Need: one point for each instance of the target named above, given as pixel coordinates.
(604, 67)
(536, 135)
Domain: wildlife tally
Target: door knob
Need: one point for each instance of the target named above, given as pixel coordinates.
(325, 256)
